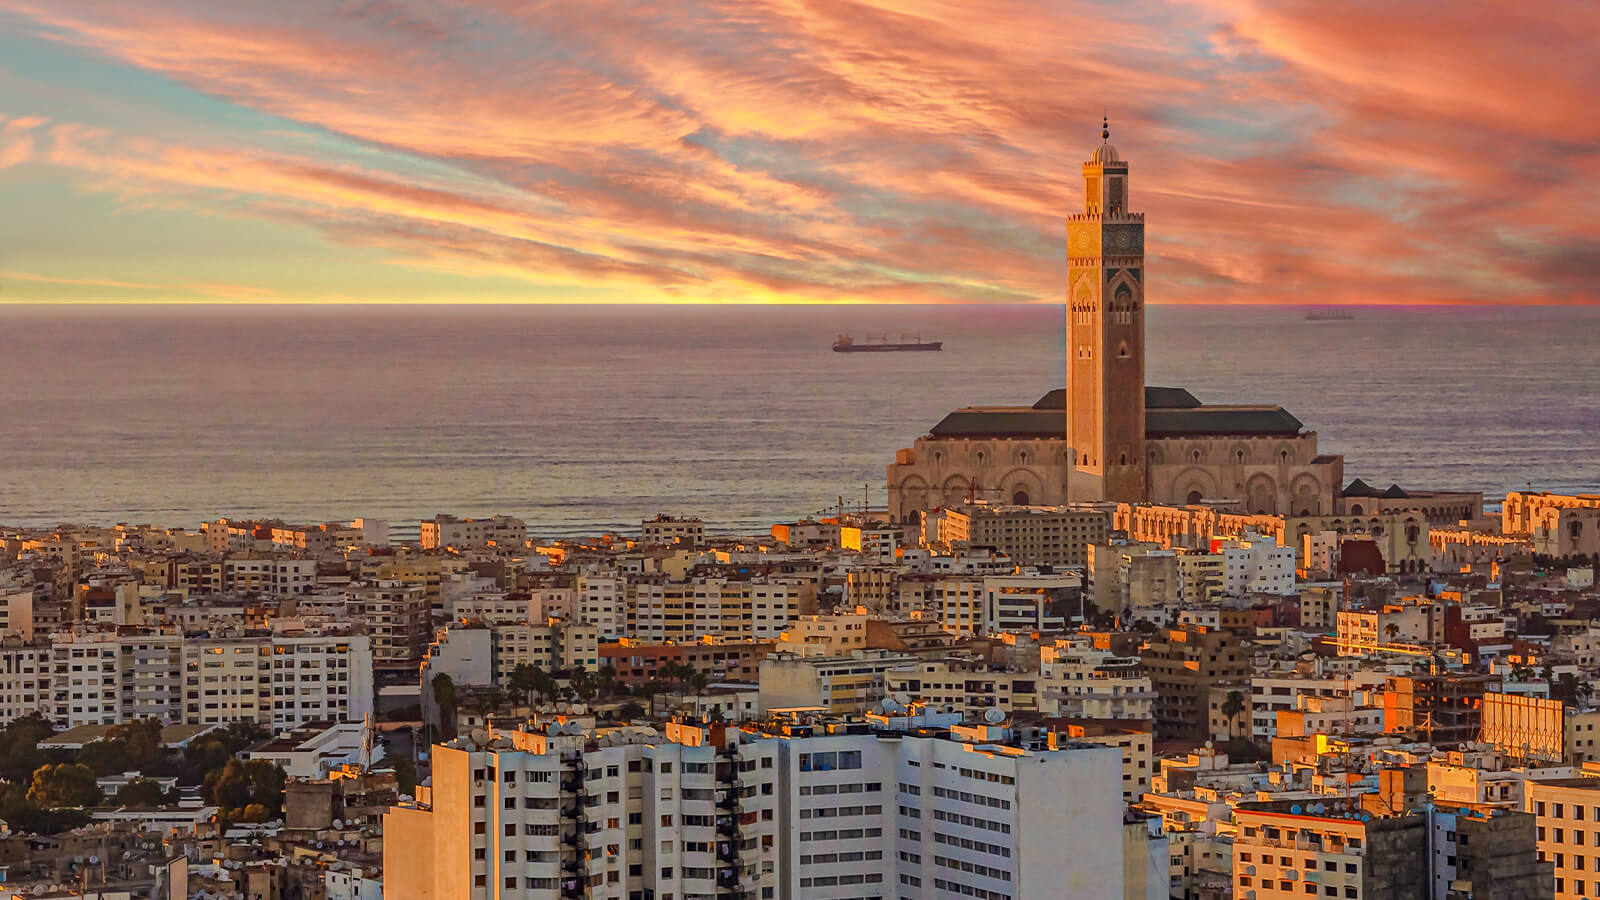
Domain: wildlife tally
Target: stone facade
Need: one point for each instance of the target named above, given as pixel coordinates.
(1108, 437)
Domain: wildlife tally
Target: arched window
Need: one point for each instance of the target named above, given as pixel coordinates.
(1238, 457)
(1283, 456)
(938, 458)
(1193, 499)
(1023, 457)
(980, 457)
(1122, 459)
(1020, 498)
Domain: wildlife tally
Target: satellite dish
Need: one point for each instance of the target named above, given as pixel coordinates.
(994, 715)
(1210, 744)
(892, 706)
(93, 860)
(338, 823)
(902, 698)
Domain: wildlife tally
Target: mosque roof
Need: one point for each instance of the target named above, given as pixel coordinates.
(1154, 398)
(1179, 415)
(1359, 488)
(1254, 421)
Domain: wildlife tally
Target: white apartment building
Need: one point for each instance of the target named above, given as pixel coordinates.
(1079, 680)
(472, 534)
(887, 810)
(25, 680)
(608, 815)
(103, 678)
(1025, 602)
(603, 603)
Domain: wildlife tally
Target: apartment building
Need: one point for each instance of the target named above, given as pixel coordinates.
(1135, 580)
(1273, 693)
(673, 531)
(279, 681)
(1567, 813)
(485, 655)
(25, 679)
(968, 687)
(611, 814)
(1082, 681)
(1183, 665)
(398, 619)
(836, 684)
(914, 805)
(444, 531)
(1030, 535)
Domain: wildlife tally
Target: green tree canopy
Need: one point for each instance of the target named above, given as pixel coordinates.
(67, 785)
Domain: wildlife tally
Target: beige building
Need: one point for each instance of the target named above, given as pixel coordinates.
(965, 686)
(1557, 524)
(1079, 680)
(1135, 580)
(1132, 739)
(838, 684)
(1107, 435)
(1568, 815)
(1030, 535)
(673, 531)
(472, 534)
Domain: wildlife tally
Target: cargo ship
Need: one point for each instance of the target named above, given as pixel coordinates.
(1330, 315)
(847, 344)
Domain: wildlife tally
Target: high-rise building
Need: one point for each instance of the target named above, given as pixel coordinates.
(1105, 334)
(606, 815)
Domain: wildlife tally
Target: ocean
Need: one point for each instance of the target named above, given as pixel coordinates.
(587, 419)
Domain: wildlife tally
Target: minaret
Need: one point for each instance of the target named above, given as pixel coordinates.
(1105, 334)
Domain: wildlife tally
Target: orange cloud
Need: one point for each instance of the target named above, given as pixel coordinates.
(1284, 150)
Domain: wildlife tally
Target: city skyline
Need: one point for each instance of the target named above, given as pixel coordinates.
(830, 152)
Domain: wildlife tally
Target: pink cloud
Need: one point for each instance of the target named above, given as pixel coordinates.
(1285, 151)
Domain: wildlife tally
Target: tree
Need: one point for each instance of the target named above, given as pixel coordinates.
(699, 681)
(1521, 672)
(525, 681)
(141, 792)
(63, 785)
(605, 679)
(444, 697)
(405, 773)
(630, 711)
(488, 701)
(1232, 705)
(583, 683)
(1392, 630)
(240, 785)
(19, 747)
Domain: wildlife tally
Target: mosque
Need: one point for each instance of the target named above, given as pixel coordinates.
(1108, 436)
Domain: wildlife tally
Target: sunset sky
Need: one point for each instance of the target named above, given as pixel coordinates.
(1372, 151)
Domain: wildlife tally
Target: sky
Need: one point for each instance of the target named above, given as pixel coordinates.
(760, 151)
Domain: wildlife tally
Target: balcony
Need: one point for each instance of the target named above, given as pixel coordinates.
(729, 801)
(728, 827)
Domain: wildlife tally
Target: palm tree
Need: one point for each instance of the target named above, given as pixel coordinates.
(1232, 705)
(1392, 630)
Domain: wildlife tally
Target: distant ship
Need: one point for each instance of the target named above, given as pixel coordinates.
(1329, 315)
(847, 344)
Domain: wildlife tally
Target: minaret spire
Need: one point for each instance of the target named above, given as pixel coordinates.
(1105, 128)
